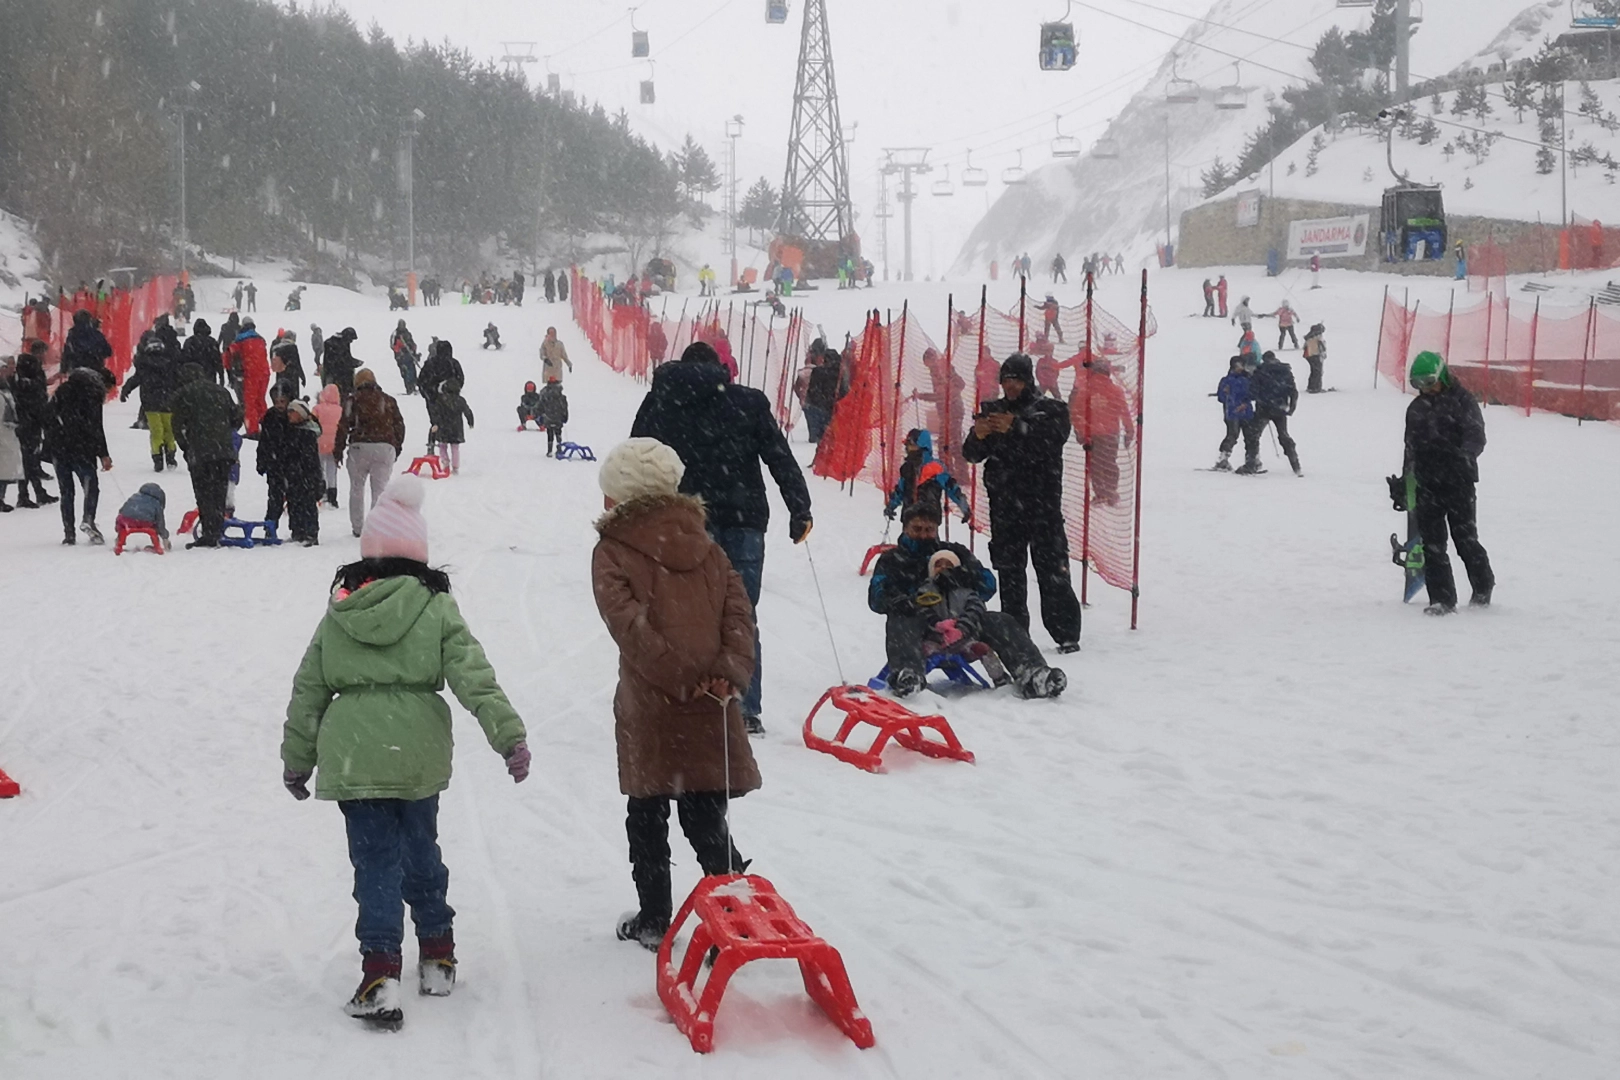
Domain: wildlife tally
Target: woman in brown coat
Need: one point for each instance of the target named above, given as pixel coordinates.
(685, 631)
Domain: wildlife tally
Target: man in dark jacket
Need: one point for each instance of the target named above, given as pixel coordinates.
(338, 364)
(201, 349)
(1019, 438)
(826, 387)
(947, 607)
(76, 440)
(1275, 398)
(722, 432)
(550, 285)
(85, 346)
(1445, 434)
(440, 368)
(30, 389)
(284, 355)
(205, 415)
(156, 377)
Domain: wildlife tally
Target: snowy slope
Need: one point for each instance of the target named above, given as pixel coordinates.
(22, 276)
(1090, 204)
(1288, 829)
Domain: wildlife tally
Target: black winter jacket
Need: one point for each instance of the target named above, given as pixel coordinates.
(1273, 387)
(900, 574)
(440, 368)
(450, 409)
(32, 396)
(73, 430)
(203, 350)
(1445, 434)
(553, 406)
(1023, 469)
(722, 432)
(205, 414)
(338, 364)
(85, 347)
(156, 378)
(825, 380)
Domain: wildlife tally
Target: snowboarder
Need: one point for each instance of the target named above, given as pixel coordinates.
(1315, 352)
(1275, 398)
(553, 357)
(76, 439)
(451, 418)
(682, 619)
(1019, 439)
(367, 722)
(929, 600)
(1445, 434)
(553, 405)
(205, 421)
(371, 435)
(925, 481)
(1237, 408)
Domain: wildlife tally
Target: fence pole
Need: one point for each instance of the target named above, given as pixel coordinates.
(1451, 313)
(1406, 339)
(944, 392)
(1141, 392)
(1378, 353)
(1530, 372)
(973, 493)
(1083, 385)
(899, 371)
(1023, 293)
(1490, 317)
(1587, 344)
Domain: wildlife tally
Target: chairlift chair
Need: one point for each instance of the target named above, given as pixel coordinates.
(1233, 97)
(974, 177)
(639, 46)
(1058, 43)
(648, 95)
(1106, 149)
(553, 83)
(1064, 146)
(776, 11)
(1589, 15)
(1180, 91)
(944, 188)
(1014, 174)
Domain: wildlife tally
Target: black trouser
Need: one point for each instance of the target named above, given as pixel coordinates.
(1314, 384)
(1279, 418)
(33, 471)
(208, 482)
(1286, 333)
(1251, 438)
(703, 820)
(86, 473)
(304, 508)
(1453, 505)
(554, 439)
(1103, 457)
(903, 637)
(1209, 307)
(1013, 545)
(277, 488)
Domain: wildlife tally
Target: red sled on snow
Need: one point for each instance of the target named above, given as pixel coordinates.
(863, 705)
(431, 462)
(873, 553)
(743, 918)
(8, 787)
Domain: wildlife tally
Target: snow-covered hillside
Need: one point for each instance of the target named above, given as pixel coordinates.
(1091, 204)
(22, 275)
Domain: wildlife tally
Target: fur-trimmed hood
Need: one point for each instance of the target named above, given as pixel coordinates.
(669, 529)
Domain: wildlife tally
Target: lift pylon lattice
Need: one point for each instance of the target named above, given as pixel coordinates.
(816, 212)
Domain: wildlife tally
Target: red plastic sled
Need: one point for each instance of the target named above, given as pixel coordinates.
(148, 531)
(863, 705)
(873, 553)
(742, 917)
(8, 787)
(431, 462)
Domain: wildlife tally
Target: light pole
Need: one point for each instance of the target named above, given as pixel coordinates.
(907, 161)
(734, 129)
(416, 117)
(183, 106)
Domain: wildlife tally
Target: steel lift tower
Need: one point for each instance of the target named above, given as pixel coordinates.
(817, 216)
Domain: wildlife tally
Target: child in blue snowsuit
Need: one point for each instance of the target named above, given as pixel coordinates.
(1237, 404)
(924, 480)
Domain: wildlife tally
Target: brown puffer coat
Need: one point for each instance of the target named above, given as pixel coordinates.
(371, 417)
(679, 614)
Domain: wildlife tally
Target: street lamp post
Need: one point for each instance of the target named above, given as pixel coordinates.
(183, 107)
(416, 117)
(734, 129)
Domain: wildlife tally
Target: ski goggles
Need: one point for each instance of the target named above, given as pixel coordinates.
(1424, 382)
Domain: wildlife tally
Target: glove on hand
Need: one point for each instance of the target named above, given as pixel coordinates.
(1397, 491)
(296, 783)
(799, 529)
(890, 511)
(517, 762)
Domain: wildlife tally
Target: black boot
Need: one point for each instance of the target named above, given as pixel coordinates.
(168, 455)
(331, 497)
(648, 926)
(157, 462)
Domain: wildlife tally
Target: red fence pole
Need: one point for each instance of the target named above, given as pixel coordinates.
(1490, 317)
(1141, 393)
(1587, 343)
(973, 487)
(1023, 293)
(1383, 316)
(1083, 382)
(1530, 372)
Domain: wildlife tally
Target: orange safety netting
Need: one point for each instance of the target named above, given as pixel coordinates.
(124, 314)
(1513, 351)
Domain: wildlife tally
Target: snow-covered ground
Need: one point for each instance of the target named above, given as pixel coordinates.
(1289, 828)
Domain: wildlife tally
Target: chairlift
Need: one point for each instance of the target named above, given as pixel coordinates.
(1106, 149)
(776, 11)
(1414, 224)
(639, 46)
(1180, 91)
(944, 188)
(974, 177)
(1356, 3)
(1064, 146)
(1058, 43)
(1014, 174)
(1593, 15)
(648, 95)
(1234, 97)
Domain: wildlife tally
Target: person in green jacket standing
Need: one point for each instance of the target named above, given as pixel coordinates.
(366, 720)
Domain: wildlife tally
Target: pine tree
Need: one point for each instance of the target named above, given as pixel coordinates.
(1520, 90)
(1318, 144)
(759, 206)
(1217, 178)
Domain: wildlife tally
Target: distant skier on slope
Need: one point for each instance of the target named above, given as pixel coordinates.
(1237, 408)
(1275, 398)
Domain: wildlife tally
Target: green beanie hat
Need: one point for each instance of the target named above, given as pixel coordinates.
(1429, 365)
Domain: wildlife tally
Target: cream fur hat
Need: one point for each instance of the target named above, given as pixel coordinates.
(640, 467)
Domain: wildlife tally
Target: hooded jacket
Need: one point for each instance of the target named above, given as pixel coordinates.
(201, 349)
(147, 505)
(85, 346)
(680, 615)
(329, 414)
(722, 432)
(73, 428)
(337, 362)
(924, 479)
(1274, 388)
(553, 406)
(1445, 434)
(1237, 402)
(205, 415)
(365, 712)
(32, 396)
(451, 414)
(157, 378)
(1023, 467)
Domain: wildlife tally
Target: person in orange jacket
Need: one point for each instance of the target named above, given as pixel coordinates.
(1101, 415)
(249, 355)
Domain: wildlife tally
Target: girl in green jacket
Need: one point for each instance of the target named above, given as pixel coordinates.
(366, 720)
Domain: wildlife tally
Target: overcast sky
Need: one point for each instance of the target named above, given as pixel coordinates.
(949, 74)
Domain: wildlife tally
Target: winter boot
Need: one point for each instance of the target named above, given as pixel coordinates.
(5, 507)
(1440, 609)
(436, 965)
(26, 503)
(1293, 463)
(645, 930)
(1067, 647)
(331, 497)
(905, 682)
(89, 529)
(68, 539)
(157, 462)
(45, 498)
(1041, 682)
(1249, 468)
(1481, 597)
(1223, 463)
(168, 455)
(753, 725)
(377, 1001)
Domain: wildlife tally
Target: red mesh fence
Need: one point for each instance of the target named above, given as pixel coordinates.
(1584, 245)
(124, 314)
(1517, 352)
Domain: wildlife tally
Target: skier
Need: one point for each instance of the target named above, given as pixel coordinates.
(492, 337)
(553, 405)
(1220, 293)
(1275, 398)
(75, 439)
(1050, 311)
(403, 346)
(1286, 318)
(1209, 299)
(1019, 438)
(157, 378)
(250, 359)
(925, 481)
(681, 617)
(1100, 414)
(328, 414)
(1315, 352)
(371, 435)
(205, 421)
(1237, 408)
(1059, 268)
(920, 610)
(1243, 315)
(549, 283)
(366, 721)
(553, 356)
(449, 431)
(722, 432)
(1445, 434)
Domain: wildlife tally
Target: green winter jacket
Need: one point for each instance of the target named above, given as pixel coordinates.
(365, 712)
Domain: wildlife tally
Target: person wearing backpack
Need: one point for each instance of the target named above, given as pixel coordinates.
(1275, 398)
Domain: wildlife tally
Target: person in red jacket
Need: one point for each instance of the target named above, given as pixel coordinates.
(657, 342)
(1101, 415)
(1220, 293)
(249, 355)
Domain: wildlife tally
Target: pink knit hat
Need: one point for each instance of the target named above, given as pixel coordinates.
(395, 527)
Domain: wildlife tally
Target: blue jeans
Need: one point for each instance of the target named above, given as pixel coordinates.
(86, 473)
(816, 419)
(394, 846)
(746, 550)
